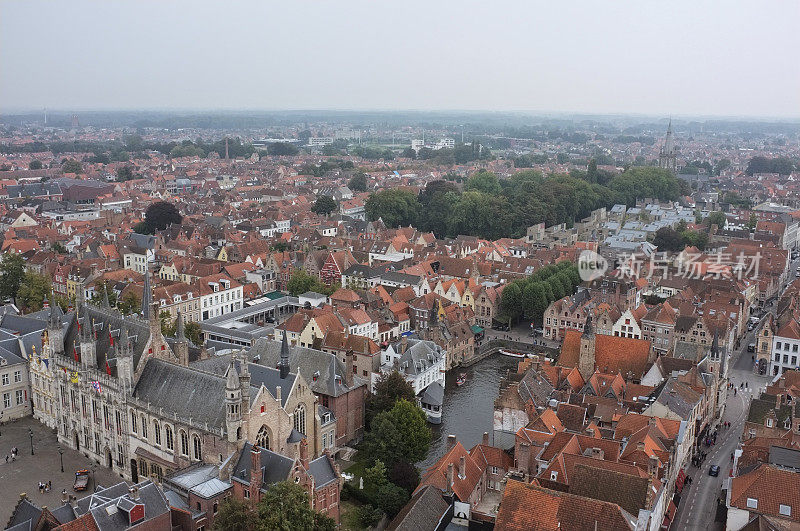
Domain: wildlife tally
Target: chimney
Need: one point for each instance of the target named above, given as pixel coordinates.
(133, 493)
(485, 440)
(304, 452)
(652, 467)
(523, 458)
(255, 474)
(451, 441)
(349, 368)
(450, 478)
(778, 401)
(278, 393)
(462, 467)
(640, 445)
(403, 344)
(597, 453)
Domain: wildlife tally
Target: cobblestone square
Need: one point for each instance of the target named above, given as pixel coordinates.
(25, 473)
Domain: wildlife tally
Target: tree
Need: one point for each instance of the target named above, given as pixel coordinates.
(143, 228)
(71, 166)
(396, 207)
(129, 304)
(35, 165)
(279, 247)
(389, 388)
(12, 271)
(484, 181)
(282, 149)
(668, 239)
(358, 182)
(58, 247)
(124, 173)
(388, 496)
(301, 282)
(716, 218)
(404, 474)
(408, 153)
(400, 433)
(511, 300)
(286, 507)
(324, 205)
(161, 214)
(33, 289)
(752, 222)
(193, 332)
(168, 325)
(235, 515)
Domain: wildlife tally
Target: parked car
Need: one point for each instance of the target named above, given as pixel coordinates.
(714, 470)
(81, 479)
(751, 347)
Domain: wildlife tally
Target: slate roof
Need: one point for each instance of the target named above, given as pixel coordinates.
(310, 363)
(422, 513)
(201, 394)
(322, 471)
(433, 394)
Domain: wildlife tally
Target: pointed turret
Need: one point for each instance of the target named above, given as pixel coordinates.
(233, 402)
(55, 330)
(284, 363)
(588, 329)
(232, 377)
(106, 302)
(124, 357)
(147, 296)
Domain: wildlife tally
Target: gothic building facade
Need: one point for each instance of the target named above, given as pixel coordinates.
(129, 398)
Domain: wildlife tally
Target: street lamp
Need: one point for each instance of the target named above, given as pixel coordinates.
(30, 433)
(1, 418)
(61, 455)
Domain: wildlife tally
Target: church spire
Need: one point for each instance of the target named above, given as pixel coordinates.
(147, 295)
(284, 363)
(106, 303)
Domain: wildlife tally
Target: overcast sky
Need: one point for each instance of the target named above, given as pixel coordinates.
(696, 57)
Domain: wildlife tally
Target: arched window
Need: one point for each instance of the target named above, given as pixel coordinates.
(144, 427)
(157, 433)
(170, 442)
(184, 443)
(300, 419)
(133, 422)
(155, 472)
(262, 439)
(196, 447)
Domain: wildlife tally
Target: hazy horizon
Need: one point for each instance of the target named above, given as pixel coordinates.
(647, 59)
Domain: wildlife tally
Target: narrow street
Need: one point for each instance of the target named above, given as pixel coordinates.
(699, 500)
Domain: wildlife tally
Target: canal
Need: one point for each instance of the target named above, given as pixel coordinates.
(468, 410)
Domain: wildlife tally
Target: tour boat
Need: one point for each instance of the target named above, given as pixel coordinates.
(512, 354)
(461, 378)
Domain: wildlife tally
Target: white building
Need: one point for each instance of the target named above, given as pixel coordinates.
(219, 295)
(420, 362)
(785, 348)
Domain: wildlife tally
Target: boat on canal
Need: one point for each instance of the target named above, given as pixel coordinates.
(462, 378)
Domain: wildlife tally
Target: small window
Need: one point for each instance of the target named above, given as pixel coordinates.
(752, 503)
(554, 475)
(785, 510)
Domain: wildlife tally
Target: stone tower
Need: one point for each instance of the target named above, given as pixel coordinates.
(667, 157)
(181, 342)
(87, 339)
(124, 359)
(233, 402)
(55, 330)
(283, 366)
(586, 357)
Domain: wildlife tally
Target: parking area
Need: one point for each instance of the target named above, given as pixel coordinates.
(25, 472)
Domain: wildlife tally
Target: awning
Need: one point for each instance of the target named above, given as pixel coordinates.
(680, 480)
(669, 515)
(476, 329)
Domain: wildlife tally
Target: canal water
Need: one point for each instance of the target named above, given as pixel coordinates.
(469, 409)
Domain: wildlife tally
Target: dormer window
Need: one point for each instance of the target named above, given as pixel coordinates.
(752, 503)
(554, 475)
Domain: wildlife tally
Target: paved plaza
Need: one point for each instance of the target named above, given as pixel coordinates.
(25, 473)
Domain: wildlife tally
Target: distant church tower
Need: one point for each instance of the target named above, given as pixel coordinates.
(667, 158)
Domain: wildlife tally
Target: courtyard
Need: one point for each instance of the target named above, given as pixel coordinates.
(25, 473)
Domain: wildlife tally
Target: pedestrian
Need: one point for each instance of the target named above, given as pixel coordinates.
(6, 458)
